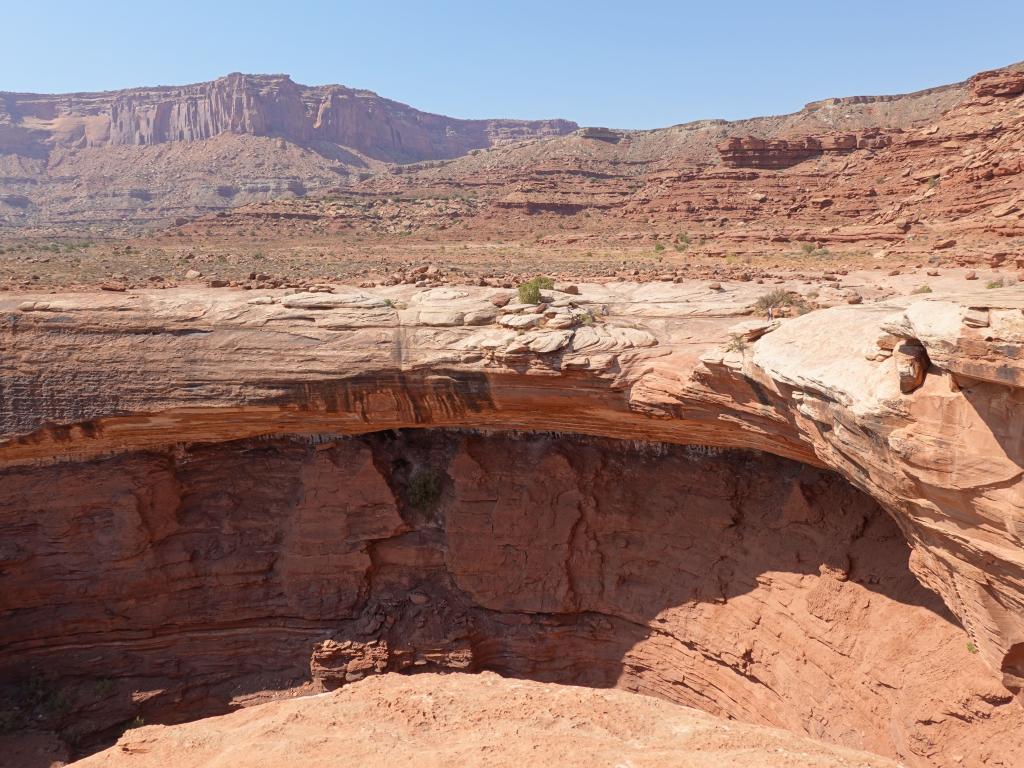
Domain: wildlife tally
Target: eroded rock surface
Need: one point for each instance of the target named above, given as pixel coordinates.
(435, 721)
(537, 554)
(167, 149)
(748, 586)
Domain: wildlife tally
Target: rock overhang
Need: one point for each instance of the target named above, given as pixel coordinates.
(93, 374)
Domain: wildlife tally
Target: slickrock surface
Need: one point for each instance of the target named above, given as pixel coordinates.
(914, 400)
(432, 721)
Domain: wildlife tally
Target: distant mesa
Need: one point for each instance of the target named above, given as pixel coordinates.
(601, 134)
(260, 105)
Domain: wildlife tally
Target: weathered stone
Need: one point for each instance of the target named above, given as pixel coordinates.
(911, 365)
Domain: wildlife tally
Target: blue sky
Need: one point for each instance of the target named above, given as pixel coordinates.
(621, 64)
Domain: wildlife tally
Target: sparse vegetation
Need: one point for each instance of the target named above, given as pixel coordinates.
(10, 720)
(659, 247)
(995, 283)
(971, 647)
(424, 489)
(813, 249)
(103, 687)
(529, 292)
(736, 343)
(780, 298)
(922, 289)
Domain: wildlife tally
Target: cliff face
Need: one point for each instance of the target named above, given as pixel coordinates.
(152, 153)
(530, 555)
(751, 152)
(744, 585)
(262, 105)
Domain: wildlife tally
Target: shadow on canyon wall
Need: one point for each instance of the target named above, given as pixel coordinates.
(161, 587)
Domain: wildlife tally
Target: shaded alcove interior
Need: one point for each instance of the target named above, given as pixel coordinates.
(163, 586)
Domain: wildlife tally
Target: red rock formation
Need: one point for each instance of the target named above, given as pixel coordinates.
(152, 153)
(533, 575)
(937, 180)
(751, 152)
(435, 721)
(1001, 83)
(265, 105)
(747, 586)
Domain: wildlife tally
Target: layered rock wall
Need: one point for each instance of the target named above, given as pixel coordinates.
(168, 585)
(263, 105)
(752, 152)
(86, 376)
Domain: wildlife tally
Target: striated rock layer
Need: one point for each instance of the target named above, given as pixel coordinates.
(930, 176)
(766, 594)
(152, 152)
(432, 721)
(258, 105)
(748, 586)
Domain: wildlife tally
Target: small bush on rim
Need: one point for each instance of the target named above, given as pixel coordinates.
(529, 292)
(780, 298)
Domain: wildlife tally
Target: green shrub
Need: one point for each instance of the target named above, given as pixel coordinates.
(659, 247)
(995, 283)
(922, 289)
(547, 283)
(529, 292)
(424, 489)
